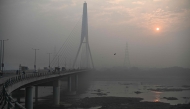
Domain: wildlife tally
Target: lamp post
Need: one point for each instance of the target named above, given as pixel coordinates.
(2, 54)
(49, 60)
(70, 64)
(35, 59)
(58, 59)
(65, 62)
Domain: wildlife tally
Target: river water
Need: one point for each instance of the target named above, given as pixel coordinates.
(145, 87)
(154, 86)
(128, 89)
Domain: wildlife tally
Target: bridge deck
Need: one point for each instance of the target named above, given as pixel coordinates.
(12, 81)
(8, 75)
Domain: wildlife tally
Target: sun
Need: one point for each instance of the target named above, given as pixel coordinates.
(157, 29)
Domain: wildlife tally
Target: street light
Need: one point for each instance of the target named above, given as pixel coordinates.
(35, 59)
(58, 60)
(65, 62)
(49, 61)
(2, 53)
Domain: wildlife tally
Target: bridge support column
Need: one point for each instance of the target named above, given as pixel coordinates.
(29, 98)
(17, 97)
(76, 82)
(36, 94)
(72, 84)
(69, 83)
(56, 92)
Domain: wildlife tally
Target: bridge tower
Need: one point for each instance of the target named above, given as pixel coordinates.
(84, 39)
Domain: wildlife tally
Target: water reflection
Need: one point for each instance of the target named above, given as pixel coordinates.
(128, 89)
(157, 96)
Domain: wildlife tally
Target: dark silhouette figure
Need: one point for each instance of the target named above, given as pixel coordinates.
(114, 53)
(23, 72)
(17, 72)
(1, 74)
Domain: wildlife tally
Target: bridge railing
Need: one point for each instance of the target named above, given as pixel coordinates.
(7, 101)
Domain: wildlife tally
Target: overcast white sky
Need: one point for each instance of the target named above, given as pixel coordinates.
(45, 24)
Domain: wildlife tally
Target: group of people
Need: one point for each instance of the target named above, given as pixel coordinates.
(18, 72)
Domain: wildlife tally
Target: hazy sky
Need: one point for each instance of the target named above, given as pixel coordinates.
(45, 24)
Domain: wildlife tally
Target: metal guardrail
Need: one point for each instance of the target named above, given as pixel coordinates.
(6, 101)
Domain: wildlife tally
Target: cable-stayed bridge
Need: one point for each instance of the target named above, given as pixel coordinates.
(75, 55)
(75, 51)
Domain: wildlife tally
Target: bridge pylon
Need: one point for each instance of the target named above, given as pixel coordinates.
(84, 39)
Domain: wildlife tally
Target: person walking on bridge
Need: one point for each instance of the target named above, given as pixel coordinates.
(1, 74)
(23, 72)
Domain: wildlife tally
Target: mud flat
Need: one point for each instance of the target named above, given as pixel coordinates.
(138, 92)
(170, 98)
(110, 103)
(167, 89)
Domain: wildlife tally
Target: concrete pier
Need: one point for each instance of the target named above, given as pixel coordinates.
(29, 98)
(72, 84)
(18, 95)
(69, 83)
(36, 94)
(76, 82)
(56, 92)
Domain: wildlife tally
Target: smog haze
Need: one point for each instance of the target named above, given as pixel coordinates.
(156, 31)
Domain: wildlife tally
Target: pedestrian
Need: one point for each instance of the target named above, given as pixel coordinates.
(1, 74)
(17, 72)
(23, 72)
